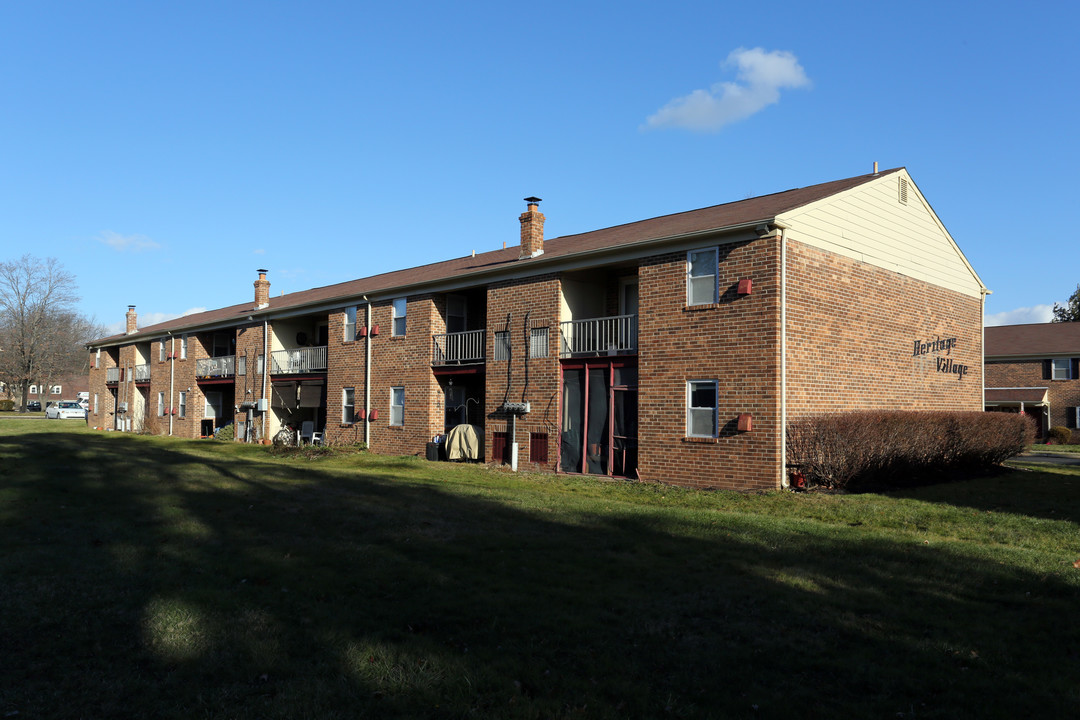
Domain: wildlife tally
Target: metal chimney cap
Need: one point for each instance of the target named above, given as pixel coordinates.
(262, 271)
(532, 200)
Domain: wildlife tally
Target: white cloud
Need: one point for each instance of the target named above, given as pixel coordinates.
(135, 243)
(260, 251)
(761, 75)
(1021, 316)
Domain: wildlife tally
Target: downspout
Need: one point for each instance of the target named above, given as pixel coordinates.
(266, 370)
(172, 380)
(367, 377)
(783, 357)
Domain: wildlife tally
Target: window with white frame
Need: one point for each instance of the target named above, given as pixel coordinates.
(348, 405)
(183, 347)
(538, 342)
(160, 404)
(95, 403)
(161, 350)
(56, 390)
(502, 345)
(259, 364)
(350, 324)
(212, 407)
(701, 408)
(397, 406)
(1060, 369)
(33, 390)
(400, 307)
(702, 276)
(181, 409)
(97, 358)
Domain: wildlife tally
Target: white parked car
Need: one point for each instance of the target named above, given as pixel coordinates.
(65, 409)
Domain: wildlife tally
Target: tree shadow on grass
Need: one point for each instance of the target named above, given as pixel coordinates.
(142, 580)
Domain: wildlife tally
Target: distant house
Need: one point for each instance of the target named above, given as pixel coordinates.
(67, 387)
(1035, 369)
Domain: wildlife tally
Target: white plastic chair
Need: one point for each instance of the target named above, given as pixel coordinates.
(307, 431)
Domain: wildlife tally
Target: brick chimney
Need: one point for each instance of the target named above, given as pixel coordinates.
(132, 325)
(532, 230)
(262, 291)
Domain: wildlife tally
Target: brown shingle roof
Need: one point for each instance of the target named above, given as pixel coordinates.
(717, 217)
(1036, 339)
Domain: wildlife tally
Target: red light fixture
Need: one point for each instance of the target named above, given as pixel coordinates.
(746, 422)
(373, 415)
(746, 286)
(374, 330)
(361, 331)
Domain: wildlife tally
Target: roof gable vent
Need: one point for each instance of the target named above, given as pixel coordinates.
(903, 191)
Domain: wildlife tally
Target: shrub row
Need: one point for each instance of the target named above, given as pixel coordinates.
(848, 450)
(7, 405)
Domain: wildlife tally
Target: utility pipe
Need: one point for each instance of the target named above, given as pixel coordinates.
(367, 377)
(172, 380)
(783, 356)
(266, 368)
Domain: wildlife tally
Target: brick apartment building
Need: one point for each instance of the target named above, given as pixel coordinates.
(1035, 369)
(673, 349)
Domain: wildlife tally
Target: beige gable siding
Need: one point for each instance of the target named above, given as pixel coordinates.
(869, 223)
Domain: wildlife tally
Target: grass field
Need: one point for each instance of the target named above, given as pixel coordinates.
(158, 578)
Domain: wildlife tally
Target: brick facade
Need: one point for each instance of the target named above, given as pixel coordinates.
(1061, 395)
(857, 336)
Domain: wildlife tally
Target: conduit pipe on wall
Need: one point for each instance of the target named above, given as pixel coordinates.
(266, 369)
(367, 377)
(783, 355)
(172, 379)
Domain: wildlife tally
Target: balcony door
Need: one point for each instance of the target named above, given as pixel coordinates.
(599, 418)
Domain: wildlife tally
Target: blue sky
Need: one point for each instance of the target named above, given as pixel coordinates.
(165, 151)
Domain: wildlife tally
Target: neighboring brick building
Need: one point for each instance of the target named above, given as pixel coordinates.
(1035, 369)
(673, 349)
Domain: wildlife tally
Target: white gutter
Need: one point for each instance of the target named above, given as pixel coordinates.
(266, 369)
(367, 378)
(172, 378)
(783, 357)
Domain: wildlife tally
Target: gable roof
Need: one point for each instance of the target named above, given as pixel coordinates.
(716, 218)
(1035, 339)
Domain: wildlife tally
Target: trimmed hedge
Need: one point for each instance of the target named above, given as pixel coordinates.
(7, 405)
(846, 450)
(1060, 435)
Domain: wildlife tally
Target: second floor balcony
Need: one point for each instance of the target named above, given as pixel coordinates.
(594, 337)
(142, 373)
(458, 348)
(298, 361)
(216, 367)
(112, 375)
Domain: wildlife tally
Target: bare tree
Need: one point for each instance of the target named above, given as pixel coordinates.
(41, 334)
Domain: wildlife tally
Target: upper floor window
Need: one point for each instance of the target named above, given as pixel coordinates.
(702, 275)
(56, 390)
(350, 324)
(538, 342)
(183, 347)
(400, 307)
(456, 314)
(502, 345)
(701, 408)
(1061, 369)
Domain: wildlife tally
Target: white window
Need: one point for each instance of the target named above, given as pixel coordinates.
(400, 308)
(183, 347)
(350, 324)
(161, 350)
(701, 408)
(538, 342)
(702, 269)
(502, 344)
(97, 358)
(348, 405)
(33, 389)
(1061, 367)
(212, 409)
(95, 403)
(241, 364)
(160, 404)
(56, 389)
(182, 409)
(397, 406)
(259, 364)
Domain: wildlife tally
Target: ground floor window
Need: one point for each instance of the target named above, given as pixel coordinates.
(348, 405)
(397, 406)
(160, 404)
(701, 408)
(182, 410)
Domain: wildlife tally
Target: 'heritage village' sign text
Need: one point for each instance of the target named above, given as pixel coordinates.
(944, 364)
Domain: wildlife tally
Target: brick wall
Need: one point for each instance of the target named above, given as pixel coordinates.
(1061, 394)
(735, 342)
(852, 329)
(508, 304)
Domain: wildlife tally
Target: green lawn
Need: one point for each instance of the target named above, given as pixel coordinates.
(159, 578)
